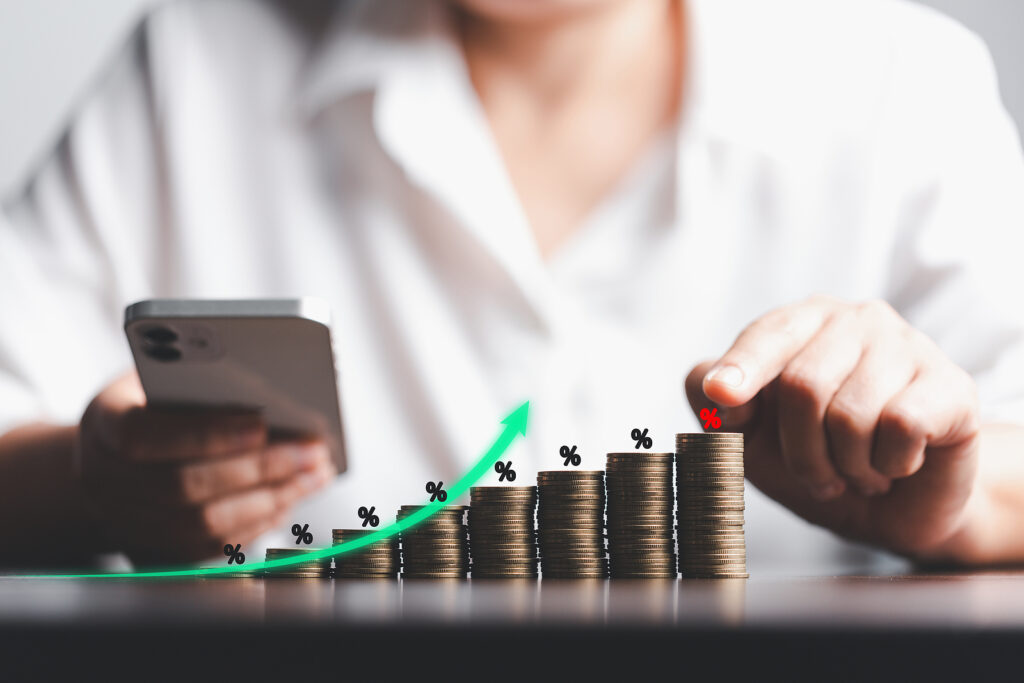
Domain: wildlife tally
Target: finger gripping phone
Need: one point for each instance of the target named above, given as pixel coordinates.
(274, 356)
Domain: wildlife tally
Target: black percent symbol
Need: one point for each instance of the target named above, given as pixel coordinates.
(366, 514)
(505, 471)
(301, 534)
(234, 553)
(436, 492)
(641, 438)
(570, 455)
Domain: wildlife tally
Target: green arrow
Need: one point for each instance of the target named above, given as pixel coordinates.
(516, 421)
(515, 425)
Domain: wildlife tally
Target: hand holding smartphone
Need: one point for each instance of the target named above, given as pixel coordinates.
(271, 356)
(236, 418)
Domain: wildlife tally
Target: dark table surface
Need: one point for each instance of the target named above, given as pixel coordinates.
(880, 628)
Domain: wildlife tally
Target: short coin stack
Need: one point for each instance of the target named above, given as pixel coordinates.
(502, 539)
(378, 560)
(570, 524)
(709, 470)
(640, 516)
(437, 547)
(316, 568)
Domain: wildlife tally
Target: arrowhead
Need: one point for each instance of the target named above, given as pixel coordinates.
(516, 420)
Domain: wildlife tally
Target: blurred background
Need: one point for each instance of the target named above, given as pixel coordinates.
(50, 49)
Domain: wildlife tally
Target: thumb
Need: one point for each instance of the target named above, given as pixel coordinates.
(736, 418)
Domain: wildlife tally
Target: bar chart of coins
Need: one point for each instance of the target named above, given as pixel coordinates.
(647, 515)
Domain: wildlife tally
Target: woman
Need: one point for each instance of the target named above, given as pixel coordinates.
(571, 201)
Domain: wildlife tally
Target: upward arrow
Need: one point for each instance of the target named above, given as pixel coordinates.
(515, 425)
(516, 420)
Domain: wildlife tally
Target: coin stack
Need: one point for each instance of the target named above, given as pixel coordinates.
(640, 516)
(378, 560)
(316, 568)
(502, 539)
(437, 547)
(570, 524)
(710, 478)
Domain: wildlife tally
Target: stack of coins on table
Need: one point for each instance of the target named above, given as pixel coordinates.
(570, 524)
(378, 560)
(437, 547)
(502, 539)
(316, 568)
(641, 544)
(710, 478)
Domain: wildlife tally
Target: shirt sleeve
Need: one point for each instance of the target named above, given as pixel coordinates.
(72, 244)
(956, 271)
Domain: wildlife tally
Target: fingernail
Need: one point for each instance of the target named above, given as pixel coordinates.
(828, 491)
(305, 456)
(729, 375)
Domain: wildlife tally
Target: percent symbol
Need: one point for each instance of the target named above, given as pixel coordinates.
(234, 553)
(505, 471)
(368, 517)
(436, 492)
(641, 438)
(570, 455)
(711, 419)
(301, 534)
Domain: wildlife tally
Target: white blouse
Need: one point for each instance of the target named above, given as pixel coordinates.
(235, 149)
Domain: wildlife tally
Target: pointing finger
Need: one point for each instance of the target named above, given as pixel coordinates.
(735, 418)
(762, 350)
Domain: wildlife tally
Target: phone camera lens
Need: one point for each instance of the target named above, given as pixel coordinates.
(160, 335)
(165, 354)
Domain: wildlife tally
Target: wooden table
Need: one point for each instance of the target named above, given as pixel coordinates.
(871, 628)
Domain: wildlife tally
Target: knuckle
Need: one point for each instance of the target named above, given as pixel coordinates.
(876, 307)
(845, 420)
(855, 471)
(801, 386)
(921, 341)
(904, 421)
(760, 326)
(805, 468)
(904, 465)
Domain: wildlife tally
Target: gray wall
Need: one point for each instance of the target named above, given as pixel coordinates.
(49, 50)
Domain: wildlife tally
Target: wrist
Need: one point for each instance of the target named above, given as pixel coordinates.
(969, 544)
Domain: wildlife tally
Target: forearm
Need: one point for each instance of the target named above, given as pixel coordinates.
(43, 518)
(993, 527)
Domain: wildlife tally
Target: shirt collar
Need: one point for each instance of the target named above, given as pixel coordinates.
(369, 41)
(405, 52)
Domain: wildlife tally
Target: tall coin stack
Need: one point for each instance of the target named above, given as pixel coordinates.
(378, 560)
(709, 470)
(317, 568)
(437, 547)
(502, 539)
(640, 516)
(570, 524)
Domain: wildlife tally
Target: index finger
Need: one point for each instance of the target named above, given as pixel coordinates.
(156, 435)
(763, 350)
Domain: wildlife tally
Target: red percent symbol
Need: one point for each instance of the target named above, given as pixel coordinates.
(711, 419)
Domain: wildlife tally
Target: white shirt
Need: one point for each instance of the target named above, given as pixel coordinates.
(851, 147)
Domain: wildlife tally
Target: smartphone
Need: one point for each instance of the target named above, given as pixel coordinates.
(274, 356)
